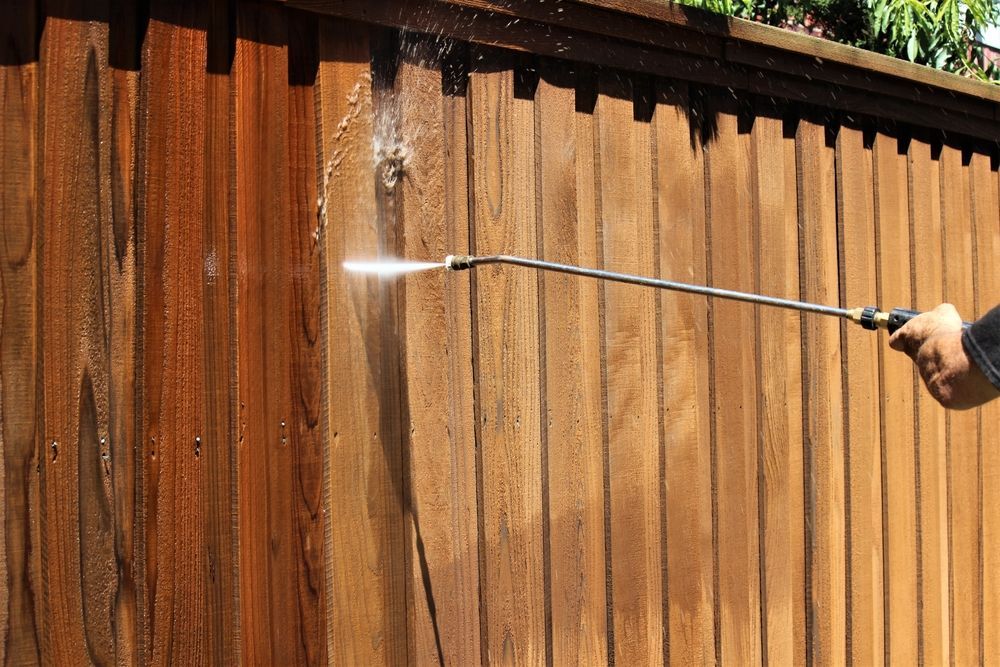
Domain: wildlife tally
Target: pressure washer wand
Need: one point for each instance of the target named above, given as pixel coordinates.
(869, 317)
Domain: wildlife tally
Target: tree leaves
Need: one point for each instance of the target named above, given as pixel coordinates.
(938, 33)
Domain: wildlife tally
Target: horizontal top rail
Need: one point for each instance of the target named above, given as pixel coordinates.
(786, 40)
(666, 39)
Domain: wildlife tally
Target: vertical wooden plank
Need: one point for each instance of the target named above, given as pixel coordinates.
(572, 366)
(680, 191)
(860, 350)
(77, 517)
(367, 624)
(281, 601)
(780, 401)
(20, 588)
(627, 228)
(443, 571)
(125, 54)
(821, 393)
(305, 432)
(985, 212)
(897, 382)
(731, 260)
(627, 218)
(507, 346)
(963, 441)
(219, 442)
(176, 344)
(925, 215)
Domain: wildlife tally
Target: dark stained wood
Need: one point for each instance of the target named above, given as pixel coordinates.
(860, 350)
(626, 221)
(305, 431)
(965, 576)
(572, 367)
(219, 442)
(780, 407)
(732, 258)
(680, 193)
(367, 621)
(507, 358)
(985, 215)
(897, 387)
(180, 436)
(77, 514)
(121, 258)
(21, 624)
(281, 592)
(442, 575)
(823, 437)
(928, 285)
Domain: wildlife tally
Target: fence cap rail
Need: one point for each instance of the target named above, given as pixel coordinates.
(786, 40)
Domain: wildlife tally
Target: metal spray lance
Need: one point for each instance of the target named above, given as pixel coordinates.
(869, 317)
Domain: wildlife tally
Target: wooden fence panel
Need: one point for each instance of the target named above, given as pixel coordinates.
(965, 576)
(780, 407)
(680, 189)
(367, 622)
(573, 414)
(443, 569)
(507, 357)
(897, 384)
(732, 256)
(985, 214)
(624, 145)
(77, 516)
(221, 447)
(21, 622)
(931, 429)
(822, 393)
(856, 189)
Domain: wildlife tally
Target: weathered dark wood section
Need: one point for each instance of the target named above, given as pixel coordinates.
(219, 448)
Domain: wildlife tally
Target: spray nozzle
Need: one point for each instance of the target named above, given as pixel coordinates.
(457, 262)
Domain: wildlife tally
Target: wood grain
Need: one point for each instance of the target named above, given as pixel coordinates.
(965, 576)
(822, 394)
(367, 623)
(985, 215)
(779, 404)
(732, 257)
(928, 286)
(572, 367)
(626, 222)
(507, 358)
(20, 585)
(121, 265)
(680, 192)
(432, 197)
(281, 591)
(219, 443)
(897, 387)
(860, 350)
(77, 514)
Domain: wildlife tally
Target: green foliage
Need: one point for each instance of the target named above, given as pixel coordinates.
(938, 33)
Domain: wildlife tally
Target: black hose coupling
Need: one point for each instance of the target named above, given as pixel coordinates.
(458, 262)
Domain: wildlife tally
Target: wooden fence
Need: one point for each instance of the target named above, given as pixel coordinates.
(219, 447)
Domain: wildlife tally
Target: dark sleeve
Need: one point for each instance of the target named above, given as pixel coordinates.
(982, 343)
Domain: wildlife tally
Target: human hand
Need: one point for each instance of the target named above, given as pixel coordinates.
(933, 340)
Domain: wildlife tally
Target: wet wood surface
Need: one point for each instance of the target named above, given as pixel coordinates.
(220, 447)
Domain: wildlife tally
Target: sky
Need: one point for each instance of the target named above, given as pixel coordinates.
(992, 36)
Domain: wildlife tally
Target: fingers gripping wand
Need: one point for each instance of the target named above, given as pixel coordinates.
(869, 317)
